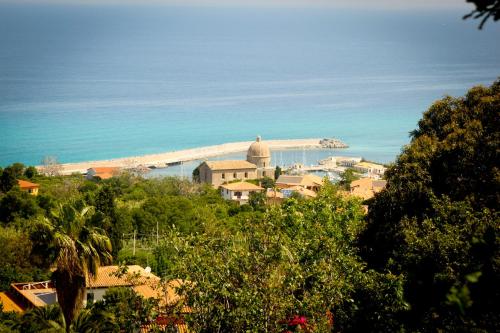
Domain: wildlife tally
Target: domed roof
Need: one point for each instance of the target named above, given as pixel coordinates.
(259, 149)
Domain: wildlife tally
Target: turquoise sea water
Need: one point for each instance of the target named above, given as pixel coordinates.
(99, 82)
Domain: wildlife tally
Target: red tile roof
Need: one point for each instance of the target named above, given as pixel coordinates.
(23, 184)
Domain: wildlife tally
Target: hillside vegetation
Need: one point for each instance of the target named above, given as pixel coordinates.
(425, 258)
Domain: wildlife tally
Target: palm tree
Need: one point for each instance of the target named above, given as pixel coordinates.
(76, 250)
(41, 319)
(49, 319)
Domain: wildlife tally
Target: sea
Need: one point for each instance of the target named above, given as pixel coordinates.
(92, 82)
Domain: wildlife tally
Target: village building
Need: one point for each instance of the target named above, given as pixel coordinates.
(366, 188)
(256, 166)
(307, 181)
(23, 296)
(102, 172)
(26, 295)
(29, 187)
(239, 191)
(220, 172)
(370, 168)
(340, 161)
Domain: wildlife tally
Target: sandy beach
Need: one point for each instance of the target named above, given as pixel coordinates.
(163, 159)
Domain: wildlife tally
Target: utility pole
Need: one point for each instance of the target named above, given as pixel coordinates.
(135, 231)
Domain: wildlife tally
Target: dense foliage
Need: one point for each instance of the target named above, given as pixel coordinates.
(425, 258)
(297, 259)
(437, 222)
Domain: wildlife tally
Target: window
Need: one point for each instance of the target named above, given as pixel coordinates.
(90, 298)
(246, 174)
(263, 174)
(223, 176)
(264, 164)
(235, 175)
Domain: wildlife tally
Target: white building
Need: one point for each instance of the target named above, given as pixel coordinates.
(370, 168)
(347, 161)
(239, 191)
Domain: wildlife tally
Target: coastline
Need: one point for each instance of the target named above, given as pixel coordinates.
(163, 159)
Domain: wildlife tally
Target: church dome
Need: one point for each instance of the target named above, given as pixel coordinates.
(259, 154)
(259, 149)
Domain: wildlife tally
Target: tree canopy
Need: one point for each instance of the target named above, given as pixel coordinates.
(437, 220)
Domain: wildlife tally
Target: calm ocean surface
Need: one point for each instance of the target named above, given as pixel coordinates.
(97, 82)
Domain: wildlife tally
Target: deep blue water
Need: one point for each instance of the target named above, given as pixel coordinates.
(98, 82)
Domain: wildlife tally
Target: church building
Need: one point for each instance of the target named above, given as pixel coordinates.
(257, 165)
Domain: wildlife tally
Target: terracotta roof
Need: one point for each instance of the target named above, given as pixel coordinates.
(162, 323)
(23, 184)
(241, 186)
(105, 169)
(104, 172)
(362, 182)
(8, 304)
(303, 191)
(136, 275)
(165, 292)
(366, 187)
(230, 165)
(302, 180)
(369, 165)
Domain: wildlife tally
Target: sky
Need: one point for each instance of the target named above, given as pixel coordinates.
(367, 4)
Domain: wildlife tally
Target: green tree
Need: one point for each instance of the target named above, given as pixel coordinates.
(299, 259)
(128, 310)
(437, 220)
(50, 319)
(30, 172)
(277, 172)
(107, 217)
(41, 319)
(77, 250)
(17, 204)
(15, 247)
(267, 182)
(347, 177)
(257, 200)
(7, 179)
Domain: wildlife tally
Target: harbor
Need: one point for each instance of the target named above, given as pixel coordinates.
(177, 159)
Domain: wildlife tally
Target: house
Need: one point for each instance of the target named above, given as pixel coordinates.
(307, 181)
(370, 168)
(22, 296)
(29, 187)
(366, 188)
(239, 191)
(102, 172)
(256, 166)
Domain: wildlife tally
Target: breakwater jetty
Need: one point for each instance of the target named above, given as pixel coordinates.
(162, 160)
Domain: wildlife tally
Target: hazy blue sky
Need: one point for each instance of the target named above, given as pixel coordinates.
(400, 4)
